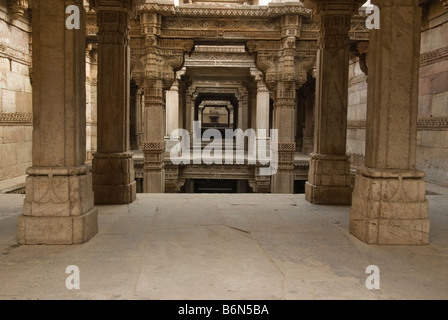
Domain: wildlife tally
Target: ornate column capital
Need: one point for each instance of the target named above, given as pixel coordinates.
(18, 8)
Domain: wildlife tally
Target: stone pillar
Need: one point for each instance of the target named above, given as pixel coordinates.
(58, 206)
(154, 143)
(284, 109)
(133, 117)
(91, 100)
(172, 108)
(307, 146)
(244, 104)
(140, 106)
(262, 113)
(389, 204)
(182, 104)
(329, 173)
(113, 169)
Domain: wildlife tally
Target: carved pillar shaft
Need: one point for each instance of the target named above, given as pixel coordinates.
(308, 130)
(262, 113)
(172, 109)
(113, 169)
(389, 204)
(58, 207)
(154, 143)
(329, 174)
(284, 109)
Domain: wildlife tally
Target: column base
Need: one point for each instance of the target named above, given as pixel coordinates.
(331, 195)
(329, 180)
(153, 166)
(115, 194)
(390, 207)
(283, 182)
(58, 206)
(113, 178)
(154, 182)
(57, 229)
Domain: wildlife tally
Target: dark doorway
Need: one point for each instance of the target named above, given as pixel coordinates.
(215, 186)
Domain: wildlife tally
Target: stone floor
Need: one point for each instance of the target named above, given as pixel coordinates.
(202, 246)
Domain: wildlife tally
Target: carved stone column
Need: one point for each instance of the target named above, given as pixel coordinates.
(154, 143)
(308, 130)
(389, 204)
(262, 113)
(113, 169)
(329, 174)
(172, 109)
(58, 207)
(262, 105)
(284, 107)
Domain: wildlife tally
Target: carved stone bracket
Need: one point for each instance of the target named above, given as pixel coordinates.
(18, 8)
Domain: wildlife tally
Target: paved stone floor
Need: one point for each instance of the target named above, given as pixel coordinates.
(224, 246)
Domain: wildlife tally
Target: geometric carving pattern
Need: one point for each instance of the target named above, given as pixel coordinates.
(434, 56)
(434, 123)
(16, 118)
(154, 146)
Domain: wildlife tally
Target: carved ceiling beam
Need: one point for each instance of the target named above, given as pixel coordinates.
(129, 5)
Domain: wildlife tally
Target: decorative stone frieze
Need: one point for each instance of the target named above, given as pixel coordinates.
(11, 119)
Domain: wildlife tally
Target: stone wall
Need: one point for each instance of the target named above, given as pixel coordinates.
(356, 114)
(432, 136)
(15, 94)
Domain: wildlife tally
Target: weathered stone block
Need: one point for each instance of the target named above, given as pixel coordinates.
(23, 151)
(363, 228)
(24, 102)
(399, 216)
(85, 226)
(13, 134)
(333, 195)
(8, 153)
(403, 232)
(45, 230)
(57, 230)
(114, 194)
(5, 64)
(8, 101)
(15, 82)
(19, 68)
